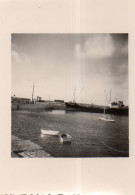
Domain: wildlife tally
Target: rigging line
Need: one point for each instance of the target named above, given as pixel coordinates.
(80, 93)
(98, 137)
(114, 148)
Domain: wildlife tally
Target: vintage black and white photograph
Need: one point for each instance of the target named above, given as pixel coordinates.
(69, 95)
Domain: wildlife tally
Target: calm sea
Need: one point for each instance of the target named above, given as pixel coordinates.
(90, 137)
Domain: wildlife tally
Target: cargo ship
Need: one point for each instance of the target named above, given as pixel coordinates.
(117, 108)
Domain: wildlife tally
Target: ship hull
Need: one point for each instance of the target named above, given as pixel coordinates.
(95, 109)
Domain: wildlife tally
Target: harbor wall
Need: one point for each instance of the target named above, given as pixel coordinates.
(38, 107)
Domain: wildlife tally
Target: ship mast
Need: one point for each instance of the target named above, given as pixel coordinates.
(80, 93)
(110, 96)
(33, 92)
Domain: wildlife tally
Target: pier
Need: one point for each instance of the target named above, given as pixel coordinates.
(26, 149)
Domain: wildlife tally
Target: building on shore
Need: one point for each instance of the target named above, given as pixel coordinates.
(15, 99)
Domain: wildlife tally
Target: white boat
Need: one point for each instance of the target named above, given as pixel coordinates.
(65, 138)
(105, 118)
(49, 132)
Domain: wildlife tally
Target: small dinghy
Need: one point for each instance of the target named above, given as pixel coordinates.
(65, 138)
(49, 132)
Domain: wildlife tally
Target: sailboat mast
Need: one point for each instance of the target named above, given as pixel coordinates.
(110, 96)
(74, 95)
(105, 101)
(104, 108)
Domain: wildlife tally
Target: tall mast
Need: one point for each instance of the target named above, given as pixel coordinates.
(79, 93)
(110, 95)
(105, 100)
(74, 95)
(33, 92)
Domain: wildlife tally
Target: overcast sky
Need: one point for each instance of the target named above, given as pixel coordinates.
(60, 63)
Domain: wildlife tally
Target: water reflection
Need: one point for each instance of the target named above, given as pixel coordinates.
(58, 111)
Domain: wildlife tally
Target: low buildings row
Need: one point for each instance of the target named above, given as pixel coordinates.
(15, 99)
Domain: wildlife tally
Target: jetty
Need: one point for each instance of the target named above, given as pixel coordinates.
(26, 149)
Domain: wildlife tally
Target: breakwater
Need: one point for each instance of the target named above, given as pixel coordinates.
(38, 106)
(26, 149)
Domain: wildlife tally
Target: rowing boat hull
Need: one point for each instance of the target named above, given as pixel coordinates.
(66, 139)
(49, 132)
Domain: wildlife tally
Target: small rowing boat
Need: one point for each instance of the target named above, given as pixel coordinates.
(65, 138)
(49, 132)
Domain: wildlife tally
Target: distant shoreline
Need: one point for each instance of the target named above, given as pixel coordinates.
(67, 107)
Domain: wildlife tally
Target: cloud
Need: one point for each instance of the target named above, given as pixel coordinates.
(19, 58)
(15, 57)
(124, 49)
(95, 47)
(21, 66)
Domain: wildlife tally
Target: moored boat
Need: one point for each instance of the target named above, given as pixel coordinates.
(96, 109)
(106, 119)
(49, 132)
(65, 138)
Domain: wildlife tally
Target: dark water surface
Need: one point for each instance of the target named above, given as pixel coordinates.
(90, 136)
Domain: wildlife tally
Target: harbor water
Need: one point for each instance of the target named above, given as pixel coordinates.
(91, 137)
